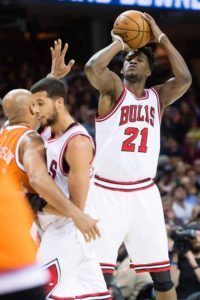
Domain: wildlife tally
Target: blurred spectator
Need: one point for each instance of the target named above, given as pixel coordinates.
(186, 265)
(166, 183)
(196, 165)
(181, 208)
(190, 150)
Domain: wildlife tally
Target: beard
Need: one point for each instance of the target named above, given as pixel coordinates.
(51, 120)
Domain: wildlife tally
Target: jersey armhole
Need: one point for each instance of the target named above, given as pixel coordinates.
(114, 108)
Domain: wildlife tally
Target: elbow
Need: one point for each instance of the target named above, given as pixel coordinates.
(89, 67)
(187, 79)
(92, 67)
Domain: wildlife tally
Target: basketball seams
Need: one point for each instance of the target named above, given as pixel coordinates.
(133, 28)
(125, 29)
(141, 39)
(132, 20)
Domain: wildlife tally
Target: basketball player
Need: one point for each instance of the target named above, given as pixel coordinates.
(128, 142)
(22, 155)
(69, 149)
(20, 276)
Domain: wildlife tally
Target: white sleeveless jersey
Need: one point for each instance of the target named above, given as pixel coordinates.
(55, 150)
(128, 142)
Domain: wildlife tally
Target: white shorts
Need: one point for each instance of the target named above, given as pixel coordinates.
(75, 272)
(135, 218)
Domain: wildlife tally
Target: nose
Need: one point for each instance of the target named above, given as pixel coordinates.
(133, 61)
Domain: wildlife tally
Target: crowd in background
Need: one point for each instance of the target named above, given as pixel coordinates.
(178, 175)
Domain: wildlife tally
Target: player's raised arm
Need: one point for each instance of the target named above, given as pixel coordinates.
(58, 67)
(175, 87)
(97, 72)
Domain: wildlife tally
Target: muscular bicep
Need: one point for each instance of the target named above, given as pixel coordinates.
(103, 79)
(171, 91)
(33, 155)
(79, 155)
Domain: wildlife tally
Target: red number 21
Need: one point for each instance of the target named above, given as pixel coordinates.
(129, 146)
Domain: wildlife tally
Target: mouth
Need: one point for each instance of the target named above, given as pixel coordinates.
(40, 118)
(132, 67)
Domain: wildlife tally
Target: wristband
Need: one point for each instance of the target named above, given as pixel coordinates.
(173, 263)
(161, 36)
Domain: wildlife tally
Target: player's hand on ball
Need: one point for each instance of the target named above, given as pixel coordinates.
(155, 30)
(88, 226)
(116, 37)
(58, 67)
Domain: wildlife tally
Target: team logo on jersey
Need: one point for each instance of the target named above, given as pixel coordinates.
(137, 113)
(6, 154)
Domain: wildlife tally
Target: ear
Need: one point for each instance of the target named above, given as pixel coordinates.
(59, 102)
(148, 73)
(31, 109)
(122, 71)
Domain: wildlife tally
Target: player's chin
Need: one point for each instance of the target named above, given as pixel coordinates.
(130, 74)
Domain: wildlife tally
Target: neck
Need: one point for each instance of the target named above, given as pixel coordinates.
(22, 123)
(62, 123)
(136, 87)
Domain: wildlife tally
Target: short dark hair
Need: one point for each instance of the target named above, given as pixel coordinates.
(149, 54)
(54, 88)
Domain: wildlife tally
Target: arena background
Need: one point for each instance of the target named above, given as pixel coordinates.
(28, 29)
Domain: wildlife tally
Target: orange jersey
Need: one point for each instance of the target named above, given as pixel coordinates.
(17, 248)
(10, 139)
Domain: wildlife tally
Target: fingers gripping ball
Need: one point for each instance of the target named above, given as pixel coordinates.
(132, 27)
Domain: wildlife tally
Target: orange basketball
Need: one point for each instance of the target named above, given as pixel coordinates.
(133, 28)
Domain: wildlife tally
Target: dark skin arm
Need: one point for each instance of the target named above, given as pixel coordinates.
(32, 155)
(110, 86)
(105, 81)
(175, 87)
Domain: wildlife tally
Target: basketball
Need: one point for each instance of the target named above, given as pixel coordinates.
(132, 27)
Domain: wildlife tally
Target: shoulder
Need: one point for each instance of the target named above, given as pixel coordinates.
(80, 143)
(31, 140)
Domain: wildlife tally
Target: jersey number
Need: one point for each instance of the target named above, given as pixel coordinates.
(129, 145)
(53, 169)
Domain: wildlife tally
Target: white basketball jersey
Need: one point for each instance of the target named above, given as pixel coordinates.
(55, 150)
(128, 140)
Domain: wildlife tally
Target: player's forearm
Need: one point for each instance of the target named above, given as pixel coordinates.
(78, 189)
(178, 65)
(47, 189)
(101, 59)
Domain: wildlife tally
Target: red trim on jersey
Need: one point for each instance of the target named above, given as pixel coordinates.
(71, 126)
(114, 108)
(153, 270)
(122, 182)
(104, 295)
(157, 267)
(124, 190)
(158, 101)
(107, 265)
(94, 295)
(145, 97)
(107, 268)
(64, 148)
(61, 298)
(151, 264)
